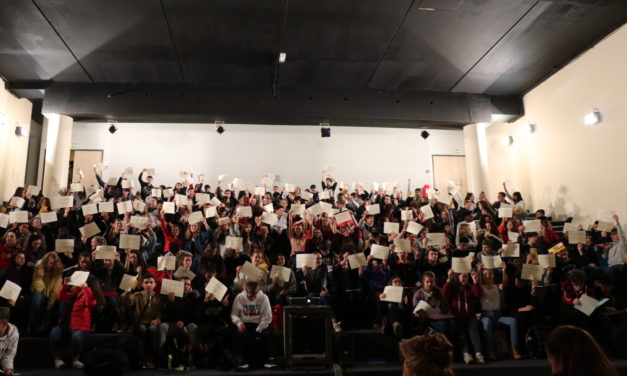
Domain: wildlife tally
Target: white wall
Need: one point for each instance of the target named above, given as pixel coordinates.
(13, 149)
(565, 166)
(296, 153)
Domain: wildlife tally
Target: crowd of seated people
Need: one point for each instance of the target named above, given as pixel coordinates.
(268, 244)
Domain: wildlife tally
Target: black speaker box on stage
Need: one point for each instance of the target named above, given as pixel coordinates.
(344, 349)
(307, 336)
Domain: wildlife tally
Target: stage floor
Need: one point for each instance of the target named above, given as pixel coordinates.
(497, 368)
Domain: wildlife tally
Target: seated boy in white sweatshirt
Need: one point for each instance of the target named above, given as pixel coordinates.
(251, 314)
(9, 338)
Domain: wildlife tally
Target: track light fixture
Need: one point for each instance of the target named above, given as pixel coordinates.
(507, 140)
(529, 128)
(325, 130)
(112, 127)
(593, 118)
(219, 127)
(21, 131)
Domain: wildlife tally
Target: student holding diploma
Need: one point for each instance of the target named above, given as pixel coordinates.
(145, 312)
(279, 289)
(214, 333)
(431, 308)
(75, 321)
(47, 280)
(574, 291)
(395, 315)
(491, 311)
(463, 299)
(22, 275)
(313, 281)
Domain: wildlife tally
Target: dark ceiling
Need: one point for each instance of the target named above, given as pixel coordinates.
(405, 49)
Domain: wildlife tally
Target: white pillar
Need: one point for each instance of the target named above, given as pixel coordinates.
(475, 145)
(13, 148)
(58, 133)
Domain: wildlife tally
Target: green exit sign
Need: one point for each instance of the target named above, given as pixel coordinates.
(74, 146)
(458, 151)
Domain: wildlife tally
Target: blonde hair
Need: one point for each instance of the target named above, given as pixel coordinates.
(58, 265)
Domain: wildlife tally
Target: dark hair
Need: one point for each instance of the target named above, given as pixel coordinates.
(430, 354)
(428, 274)
(5, 313)
(12, 264)
(84, 254)
(148, 276)
(577, 276)
(252, 284)
(577, 353)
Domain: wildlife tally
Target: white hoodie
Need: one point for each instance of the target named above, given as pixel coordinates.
(255, 311)
(8, 347)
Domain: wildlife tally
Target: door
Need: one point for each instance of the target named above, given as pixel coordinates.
(447, 168)
(84, 160)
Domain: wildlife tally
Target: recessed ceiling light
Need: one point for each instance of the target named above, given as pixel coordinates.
(282, 57)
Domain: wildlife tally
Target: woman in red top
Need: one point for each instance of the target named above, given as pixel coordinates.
(549, 236)
(173, 235)
(75, 321)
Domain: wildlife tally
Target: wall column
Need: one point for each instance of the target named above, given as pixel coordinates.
(475, 144)
(58, 139)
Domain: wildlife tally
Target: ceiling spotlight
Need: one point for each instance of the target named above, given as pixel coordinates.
(507, 140)
(21, 131)
(282, 57)
(325, 130)
(424, 134)
(529, 128)
(220, 127)
(593, 118)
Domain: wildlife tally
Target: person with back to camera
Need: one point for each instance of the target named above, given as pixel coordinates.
(430, 354)
(573, 351)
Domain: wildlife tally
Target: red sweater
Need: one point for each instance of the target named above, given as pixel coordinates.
(6, 253)
(569, 294)
(462, 299)
(169, 238)
(159, 276)
(551, 238)
(81, 310)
